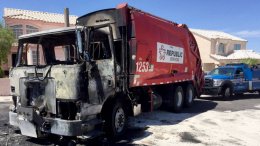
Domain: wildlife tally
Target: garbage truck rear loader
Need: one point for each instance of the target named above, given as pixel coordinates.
(123, 60)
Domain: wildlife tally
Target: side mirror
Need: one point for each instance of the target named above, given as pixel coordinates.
(79, 41)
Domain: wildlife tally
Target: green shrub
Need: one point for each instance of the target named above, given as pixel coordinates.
(1, 73)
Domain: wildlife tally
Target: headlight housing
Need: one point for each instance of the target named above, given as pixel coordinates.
(217, 82)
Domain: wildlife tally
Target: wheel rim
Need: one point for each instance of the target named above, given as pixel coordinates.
(179, 99)
(119, 120)
(190, 95)
(227, 92)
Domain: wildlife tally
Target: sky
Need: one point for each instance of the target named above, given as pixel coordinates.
(237, 17)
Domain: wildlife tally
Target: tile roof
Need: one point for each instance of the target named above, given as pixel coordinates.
(212, 34)
(244, 54)
(37, 15)
(237, 55)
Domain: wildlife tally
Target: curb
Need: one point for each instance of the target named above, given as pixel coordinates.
(5, 99)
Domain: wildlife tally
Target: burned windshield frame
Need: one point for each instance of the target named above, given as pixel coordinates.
(37, 51)
(19, 56)
(49, 44)
(89, 36)
(84, 34)
(87, 40)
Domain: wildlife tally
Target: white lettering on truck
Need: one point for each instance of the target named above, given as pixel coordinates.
(169, 54)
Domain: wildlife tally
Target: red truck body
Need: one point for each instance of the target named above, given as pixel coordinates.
(166, 52)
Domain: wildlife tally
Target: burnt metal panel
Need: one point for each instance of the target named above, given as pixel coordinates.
(101, 17)
(112, 17)
(37, 93)
(28, 128)
(13, 120)
(101, 80)
(64, 127)
(70, 81)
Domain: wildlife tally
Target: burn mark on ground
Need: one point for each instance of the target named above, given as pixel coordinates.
(188, 137)
(133, 133)
(233, 142)
(209, 122)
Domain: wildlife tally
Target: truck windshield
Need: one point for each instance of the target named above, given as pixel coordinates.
(222, 71)
(48, 49)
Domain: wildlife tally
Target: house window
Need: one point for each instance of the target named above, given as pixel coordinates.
(34, 57)
(31, 29)
(237, 47)
(17, 29)
(221, 48)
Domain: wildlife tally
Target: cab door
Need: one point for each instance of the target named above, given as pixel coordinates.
(240, 84)
(101, 72)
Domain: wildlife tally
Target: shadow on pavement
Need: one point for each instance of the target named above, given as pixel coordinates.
(138, 125)
(200, 106)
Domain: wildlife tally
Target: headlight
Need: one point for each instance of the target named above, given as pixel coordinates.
(217, 82)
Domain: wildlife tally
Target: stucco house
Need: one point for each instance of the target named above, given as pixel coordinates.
(216, 43)
(27, 21)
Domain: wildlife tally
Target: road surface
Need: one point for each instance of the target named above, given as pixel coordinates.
(210, 121)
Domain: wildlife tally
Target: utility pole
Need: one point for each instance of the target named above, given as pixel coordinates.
(66, 17)
(66, 24)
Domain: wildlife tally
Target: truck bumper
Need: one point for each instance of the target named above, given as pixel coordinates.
(49, 125)
(212, 90)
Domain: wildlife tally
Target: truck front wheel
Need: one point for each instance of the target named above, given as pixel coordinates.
(116, 120)
(227, 92)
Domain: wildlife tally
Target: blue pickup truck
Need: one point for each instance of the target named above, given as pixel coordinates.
(232, 79)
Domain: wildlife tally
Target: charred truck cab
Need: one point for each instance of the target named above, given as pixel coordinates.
(46, 86)
(119, 62)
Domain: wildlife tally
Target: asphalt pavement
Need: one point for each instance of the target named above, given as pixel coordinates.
(11, 136)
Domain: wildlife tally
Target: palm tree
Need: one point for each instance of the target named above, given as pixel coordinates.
(250, 61)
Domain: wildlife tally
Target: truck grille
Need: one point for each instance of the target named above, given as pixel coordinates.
(208, 82)
(34, 75)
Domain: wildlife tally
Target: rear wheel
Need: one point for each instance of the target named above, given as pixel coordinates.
(227, 92)
(115, 121)
(177, 99)
(189, 96)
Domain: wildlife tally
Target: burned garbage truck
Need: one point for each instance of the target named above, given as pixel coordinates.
(114, 64)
